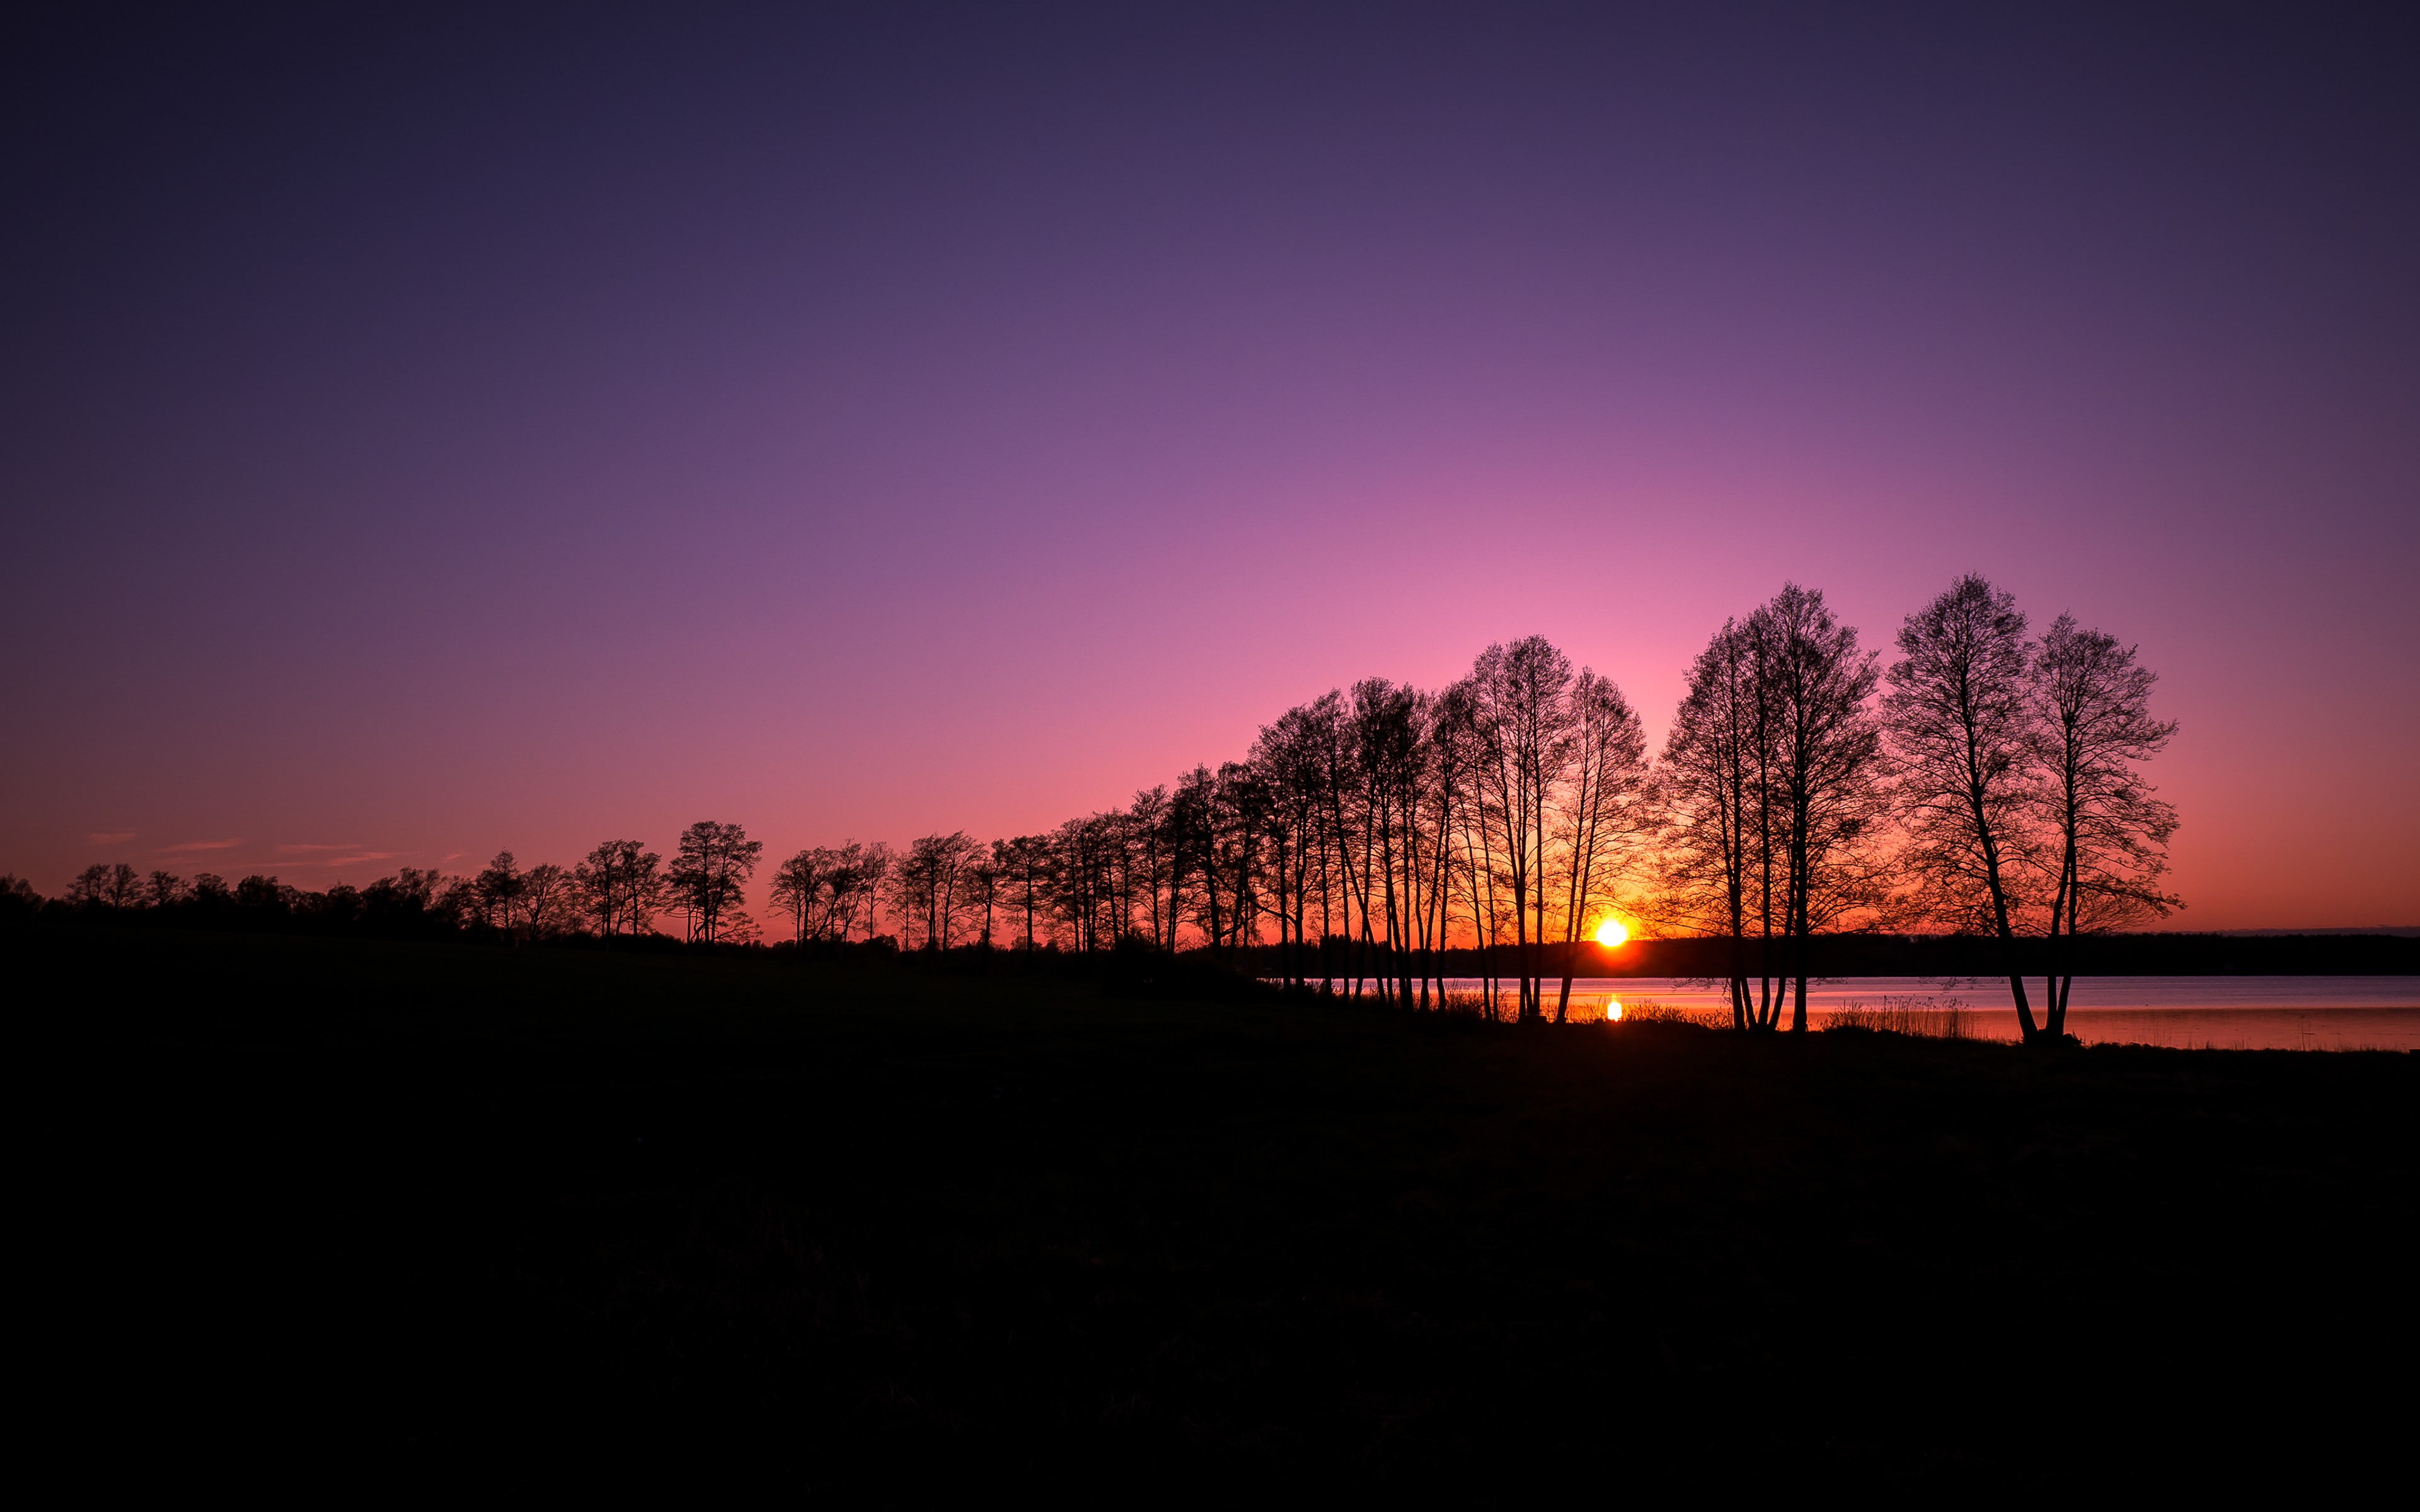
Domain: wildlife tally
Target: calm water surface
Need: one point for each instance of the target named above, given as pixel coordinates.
(2192, 1012)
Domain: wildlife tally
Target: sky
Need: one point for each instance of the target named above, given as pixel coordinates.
(428, 433)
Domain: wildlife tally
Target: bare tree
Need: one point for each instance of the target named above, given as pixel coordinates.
(408, 900)
(550, 902)
(2093, 725)
(797, 887)
(1451, 753)
(1523, 718)
(1963, 740)
(1599, 814)
(853, 878)
(982, 879)
(1286, 756)
(1825, 769)
(1192, 831)
(125, 888)
(1307, 758)
(1147, 820)
(868, 877)
(104, 885)
(1710, 797)
(709, 875)
(18, 897)
(928, 888)
(1024, 866)
(622, 887)
(499, 891)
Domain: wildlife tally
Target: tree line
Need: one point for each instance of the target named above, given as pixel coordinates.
(1987, 781)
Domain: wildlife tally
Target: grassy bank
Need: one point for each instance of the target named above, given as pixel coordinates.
(425, 1208)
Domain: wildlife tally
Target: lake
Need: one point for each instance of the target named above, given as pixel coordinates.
(2188, 1012)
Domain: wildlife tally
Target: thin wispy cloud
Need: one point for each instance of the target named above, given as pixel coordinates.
(116, 836)
(311, 855)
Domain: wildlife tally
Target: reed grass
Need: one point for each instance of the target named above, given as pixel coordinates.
(1932, 1018)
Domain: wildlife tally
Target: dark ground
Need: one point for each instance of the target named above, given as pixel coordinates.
(447, 1215)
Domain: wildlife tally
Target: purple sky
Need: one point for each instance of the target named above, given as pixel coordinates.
(431, 437)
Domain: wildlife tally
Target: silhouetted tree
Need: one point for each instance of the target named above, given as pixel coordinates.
(458, 901)
(265, 897)
(1024, 865)
(407, 900)
(1825, 769)
(105, 885)
(1449, 752)
(621, 885)
(1521, 695)
(1963, 738)
(18, 897)
(929, 888)
(549, 902)
(337, 907)
(858, 884)
(1384, 723)
(1311, 773)
(797, 889)
(854, 877)
(1599, 814)
(1710, 796)
(2109, 835)
(709, 875)
(164, 890)
(1230, 857)
(499, 889)
(1283, 755)
(1147, 837)
(982, 891)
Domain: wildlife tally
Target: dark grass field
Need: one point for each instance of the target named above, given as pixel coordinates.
(364, 1215)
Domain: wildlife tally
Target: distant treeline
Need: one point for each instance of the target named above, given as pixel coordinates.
(621, 891)
(1986, 785)
(1956, 955)
(423, 905)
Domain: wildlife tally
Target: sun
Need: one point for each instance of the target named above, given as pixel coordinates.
(1611, 932)
(1613, 1011)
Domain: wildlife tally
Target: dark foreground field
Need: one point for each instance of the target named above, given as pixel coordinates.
(446, 1215)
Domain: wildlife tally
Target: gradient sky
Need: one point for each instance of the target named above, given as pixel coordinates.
(426, 437)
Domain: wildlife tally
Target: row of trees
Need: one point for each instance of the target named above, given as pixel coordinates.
(1362, 833)
(1987, 781)
(621, 889)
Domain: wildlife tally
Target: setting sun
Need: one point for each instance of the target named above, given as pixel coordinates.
(1613, 1011)
(1611, 932)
